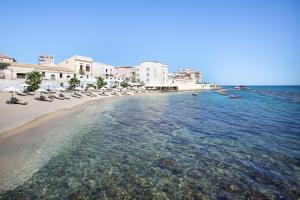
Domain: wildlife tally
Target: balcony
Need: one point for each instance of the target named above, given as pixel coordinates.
(81, 72)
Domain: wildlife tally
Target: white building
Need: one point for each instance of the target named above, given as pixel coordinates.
(46, 60)
(102, 70)
(152, 73)
(82, 66)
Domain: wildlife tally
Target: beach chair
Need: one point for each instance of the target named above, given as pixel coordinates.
(43, 98)
(14, 100)
(63, 96)
(21, 93)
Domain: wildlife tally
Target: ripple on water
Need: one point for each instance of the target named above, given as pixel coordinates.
(158, 148)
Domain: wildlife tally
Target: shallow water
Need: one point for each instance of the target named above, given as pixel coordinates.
(176, 146)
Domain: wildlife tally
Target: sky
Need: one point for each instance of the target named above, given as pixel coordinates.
(254, 42)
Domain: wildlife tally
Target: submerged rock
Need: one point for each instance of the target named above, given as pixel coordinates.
(170, 164)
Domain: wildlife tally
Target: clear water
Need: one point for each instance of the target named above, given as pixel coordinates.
(178, 146)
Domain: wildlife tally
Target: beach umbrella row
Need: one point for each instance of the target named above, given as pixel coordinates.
(11, 89)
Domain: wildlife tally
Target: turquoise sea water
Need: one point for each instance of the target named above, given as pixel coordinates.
(178, 146)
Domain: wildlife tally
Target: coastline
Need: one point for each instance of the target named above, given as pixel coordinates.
(26, 147)
(35, 114)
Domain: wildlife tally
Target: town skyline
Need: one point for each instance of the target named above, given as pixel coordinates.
(232, 42)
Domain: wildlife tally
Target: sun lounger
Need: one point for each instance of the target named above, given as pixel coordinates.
(43, 98)
(14, 100)
(76, 93)
(21, 93)
(73, 95)
(63, 96)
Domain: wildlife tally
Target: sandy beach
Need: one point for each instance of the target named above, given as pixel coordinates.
(16, 118)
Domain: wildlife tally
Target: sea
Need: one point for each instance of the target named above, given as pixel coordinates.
(173, 145)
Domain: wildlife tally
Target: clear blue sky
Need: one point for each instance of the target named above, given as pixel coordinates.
(231, 42)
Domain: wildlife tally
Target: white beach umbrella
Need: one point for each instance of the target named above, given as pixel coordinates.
(24, 85)
(60, 89)
(79, 88)
(48, 85)
(41, 90)
(11, 89)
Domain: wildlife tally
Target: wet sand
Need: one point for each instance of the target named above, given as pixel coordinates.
(16, 116)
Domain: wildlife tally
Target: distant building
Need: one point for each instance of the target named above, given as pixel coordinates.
(124, 73)
(187, 79)
(152, 73)
(103, 70)
(189, 75)
(46, 60)
(82, 66)
(6, 59)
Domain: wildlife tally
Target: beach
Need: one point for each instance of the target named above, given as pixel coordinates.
(14, 117)
(30, 133)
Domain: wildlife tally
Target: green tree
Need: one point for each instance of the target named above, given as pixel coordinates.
(74, 82)
(4, 65)
(101, 83)
(124, 84)
(34, 79)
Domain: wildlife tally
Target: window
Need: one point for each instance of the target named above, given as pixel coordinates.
(81, 67)
(74, 75)
(87, 76)
(60, 75)
(87, 68)
(147, 80)
(68, 77)
(52, 77)
(43, 74)
(20, 76)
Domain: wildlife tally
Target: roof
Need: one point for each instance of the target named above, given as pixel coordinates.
(8, 57)
(41, 67)
(124, 67)
(153, 62)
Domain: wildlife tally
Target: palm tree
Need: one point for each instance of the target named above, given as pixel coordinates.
(34, 79)
(74, 82)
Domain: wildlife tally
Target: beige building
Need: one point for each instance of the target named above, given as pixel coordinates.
(152, 73)
(51, 73)
(6, 59)
(187, 79)
(124, 73)
(189, 75)
(82, 66)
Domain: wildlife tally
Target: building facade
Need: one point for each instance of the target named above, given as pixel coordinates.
(102, 70)
(81, 65)
(152, 73)
(6, 59)
(124, 73)
(46, 60)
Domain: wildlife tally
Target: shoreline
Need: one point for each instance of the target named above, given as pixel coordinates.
(36, 119)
